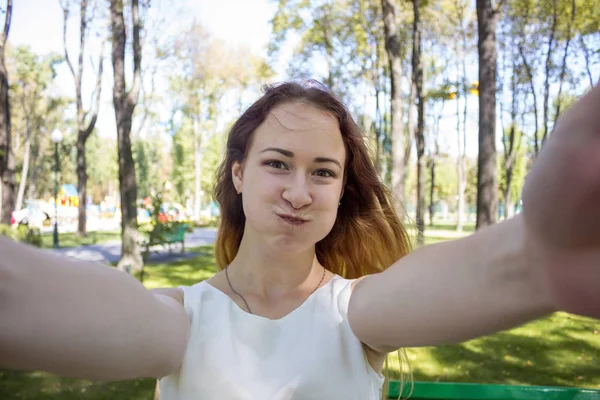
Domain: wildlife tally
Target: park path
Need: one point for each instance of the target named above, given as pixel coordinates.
(110, 252)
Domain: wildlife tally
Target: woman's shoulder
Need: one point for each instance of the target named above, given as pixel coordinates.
(347, 284)
(181, 294)
(174, 293)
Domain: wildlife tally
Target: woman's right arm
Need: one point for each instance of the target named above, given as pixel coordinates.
(85, 320)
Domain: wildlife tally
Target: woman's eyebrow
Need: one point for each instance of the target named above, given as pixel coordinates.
(290, 154)
(286, 153)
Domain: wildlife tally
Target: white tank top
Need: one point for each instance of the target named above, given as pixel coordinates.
(309, 354)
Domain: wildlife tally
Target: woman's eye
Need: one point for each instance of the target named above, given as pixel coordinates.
(324, 173)
(276, 164)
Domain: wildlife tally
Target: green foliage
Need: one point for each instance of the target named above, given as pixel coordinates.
(346, 35)
(35, 112)
(210, 162)
(151, 165)
(72, 239)
(446, 180)
(102, 166)
(471, 189)
(159, 231)
(519, 169)
(22, 233)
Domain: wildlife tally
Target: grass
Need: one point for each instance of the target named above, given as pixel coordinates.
(559, 350)
(74, 240)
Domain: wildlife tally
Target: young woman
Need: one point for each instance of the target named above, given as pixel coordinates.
(316, 286)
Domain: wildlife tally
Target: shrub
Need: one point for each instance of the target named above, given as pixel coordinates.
(22, 233)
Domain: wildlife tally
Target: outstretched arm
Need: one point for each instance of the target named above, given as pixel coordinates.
(545, 259)
(84, 320)
(452, 291)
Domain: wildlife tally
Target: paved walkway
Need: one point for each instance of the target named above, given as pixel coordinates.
(110, 252)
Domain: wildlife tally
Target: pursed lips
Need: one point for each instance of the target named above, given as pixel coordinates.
(292, 218)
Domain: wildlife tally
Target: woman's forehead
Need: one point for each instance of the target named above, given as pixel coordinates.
(300, 125)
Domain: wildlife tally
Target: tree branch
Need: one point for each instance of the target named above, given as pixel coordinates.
(82, 37)
(98, 92)
(7, 20)
(146, 97)
(499, 6)
(134, 93)
(563, 70)
(65, 8)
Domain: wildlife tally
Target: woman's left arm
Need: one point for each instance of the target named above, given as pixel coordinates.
(544, 260)
(452, 291)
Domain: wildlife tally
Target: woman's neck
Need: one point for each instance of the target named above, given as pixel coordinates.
(267, 273)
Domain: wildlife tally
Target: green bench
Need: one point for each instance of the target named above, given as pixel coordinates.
(164, 236)
(473, 391)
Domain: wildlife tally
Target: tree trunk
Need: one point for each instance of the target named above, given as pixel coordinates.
(512, 143)
(84, 129)
(548, 67)
(378, 134)
(124, 104)
(81, 186)
(487, 181)
(462, 153)
(460, 161)
(392, 46)
(432, 162)
(462, 187)
(536, 145)
(507, 195)
(410, 124)
(586, 56)
(197, 173)
(417, 77)
(7, 184)
(563, 69)
(36, 167)
(24, 170)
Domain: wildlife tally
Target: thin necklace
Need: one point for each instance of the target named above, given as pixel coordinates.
(246, 303)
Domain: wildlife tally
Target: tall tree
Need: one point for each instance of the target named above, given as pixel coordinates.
(417, 79)
(392, 47)
(208, 70)
(86, 119)
(511, 142)
(32, 74)
(124, 103)
(548, 67)
(326, 30)
(563, 69)
(7, 184)
(487, 181)
(434, 150)
(462, 22)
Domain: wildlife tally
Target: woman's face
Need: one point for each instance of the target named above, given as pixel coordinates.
(292, 178)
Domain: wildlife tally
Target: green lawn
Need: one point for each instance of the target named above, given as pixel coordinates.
(560, 350)
(72, 239)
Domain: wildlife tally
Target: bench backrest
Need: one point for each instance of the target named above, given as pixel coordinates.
(473, 391)
(176, 234)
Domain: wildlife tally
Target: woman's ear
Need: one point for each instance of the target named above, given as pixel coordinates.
(237, 170)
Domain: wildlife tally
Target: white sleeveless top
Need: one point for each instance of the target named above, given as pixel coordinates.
(309, 354)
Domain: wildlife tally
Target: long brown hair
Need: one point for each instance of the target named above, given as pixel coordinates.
(367, 236)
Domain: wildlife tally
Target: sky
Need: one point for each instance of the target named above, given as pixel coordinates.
(38, 24)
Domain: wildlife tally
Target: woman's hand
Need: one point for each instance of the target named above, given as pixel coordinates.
(561, 208)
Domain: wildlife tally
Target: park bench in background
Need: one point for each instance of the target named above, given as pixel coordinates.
(163, 235)
(472, 391)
